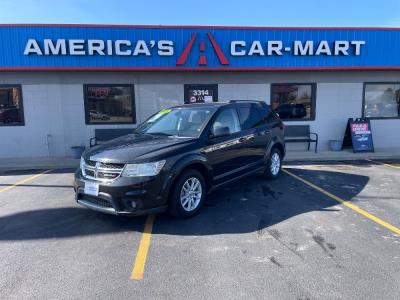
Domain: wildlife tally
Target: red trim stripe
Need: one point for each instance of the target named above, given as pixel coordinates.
(44, 68)
(222, 59)
(182, 59)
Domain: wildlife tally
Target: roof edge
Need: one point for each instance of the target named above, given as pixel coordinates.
(198, 27)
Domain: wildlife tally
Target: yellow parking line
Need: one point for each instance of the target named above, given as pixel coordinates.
(141, 256)
(23, 181)
(384, 164)
(348, 204)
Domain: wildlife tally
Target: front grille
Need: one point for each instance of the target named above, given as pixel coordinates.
(89, 172)
(97, 201)
(111, 166)
(100, 171)
(90, 163)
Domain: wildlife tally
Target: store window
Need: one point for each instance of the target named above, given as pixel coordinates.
(201, 93)
(293, 101)
(110, 104)
(382, 100)
(11, 109)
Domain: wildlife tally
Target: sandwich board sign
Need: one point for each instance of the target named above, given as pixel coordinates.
(358, 135)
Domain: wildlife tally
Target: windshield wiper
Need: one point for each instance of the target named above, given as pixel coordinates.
(167, 134)
(159, 133)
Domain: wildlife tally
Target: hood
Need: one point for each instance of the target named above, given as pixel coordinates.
(130, 147)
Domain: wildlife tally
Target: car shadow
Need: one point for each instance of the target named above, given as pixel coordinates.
(250, 205)
(334, 163)
(36, 171)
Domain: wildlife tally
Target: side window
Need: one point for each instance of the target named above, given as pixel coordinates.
(249, 116)
(265, 113)
(272, 118)
(227, 118)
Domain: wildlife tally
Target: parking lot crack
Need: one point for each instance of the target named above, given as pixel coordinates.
(274, 261)
(326, 247)
(277, 236)
(266, 191)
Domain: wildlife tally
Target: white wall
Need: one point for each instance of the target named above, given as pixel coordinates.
(55, 117)
(258, 91)
(41, 108)
(154, 97)
(54, 103)
(386, 133)
(335, 103)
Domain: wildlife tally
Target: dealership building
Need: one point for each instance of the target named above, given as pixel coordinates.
(58, 83)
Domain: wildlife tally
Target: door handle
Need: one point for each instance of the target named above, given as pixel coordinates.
(266, 132)
(246, 138)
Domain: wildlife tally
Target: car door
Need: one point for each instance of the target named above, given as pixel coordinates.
(223, 152)
(256, 133)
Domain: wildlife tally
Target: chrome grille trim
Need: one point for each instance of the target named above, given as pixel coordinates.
(100, 172)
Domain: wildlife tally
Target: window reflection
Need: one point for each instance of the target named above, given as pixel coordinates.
(292, 101)
(382, 100)
(11, 112)
(110, 104)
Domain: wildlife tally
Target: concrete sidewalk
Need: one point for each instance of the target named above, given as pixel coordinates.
(19, 164)
(301, 155)
(37, 163)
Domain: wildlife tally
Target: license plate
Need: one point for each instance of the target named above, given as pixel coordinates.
(91, 188)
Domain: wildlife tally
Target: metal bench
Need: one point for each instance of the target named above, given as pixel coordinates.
(301, 134)
(103, 135)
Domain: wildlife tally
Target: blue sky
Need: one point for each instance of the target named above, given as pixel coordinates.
(205, 12)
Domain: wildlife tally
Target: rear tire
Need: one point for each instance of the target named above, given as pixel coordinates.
(188, 194)
(274, 164)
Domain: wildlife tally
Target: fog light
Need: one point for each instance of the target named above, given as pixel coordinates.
(133, 204)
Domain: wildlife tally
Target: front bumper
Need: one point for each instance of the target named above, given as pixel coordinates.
(125, 196)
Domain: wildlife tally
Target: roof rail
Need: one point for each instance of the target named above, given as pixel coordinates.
(246, 101)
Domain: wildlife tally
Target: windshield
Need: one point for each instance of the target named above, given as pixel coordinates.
(181, 122)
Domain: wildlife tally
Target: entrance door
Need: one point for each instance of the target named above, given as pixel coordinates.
(201, 93)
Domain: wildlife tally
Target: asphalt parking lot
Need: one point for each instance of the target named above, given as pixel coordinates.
(321, 231)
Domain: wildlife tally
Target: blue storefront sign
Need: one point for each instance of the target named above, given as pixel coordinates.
(102, 47)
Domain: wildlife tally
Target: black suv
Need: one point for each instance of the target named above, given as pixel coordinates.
(178, 155)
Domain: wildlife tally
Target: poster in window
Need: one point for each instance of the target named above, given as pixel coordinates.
(201, 93)
(109, 104)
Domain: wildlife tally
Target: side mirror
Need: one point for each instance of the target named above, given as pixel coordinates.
(220, 131)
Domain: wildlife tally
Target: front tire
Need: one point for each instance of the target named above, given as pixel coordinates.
(188, 194)
(274, 164)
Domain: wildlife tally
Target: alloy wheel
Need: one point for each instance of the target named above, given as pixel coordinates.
(191, 193)
(275, 164)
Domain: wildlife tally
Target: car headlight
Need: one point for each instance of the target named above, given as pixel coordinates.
(82, 163)
(147, 169)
